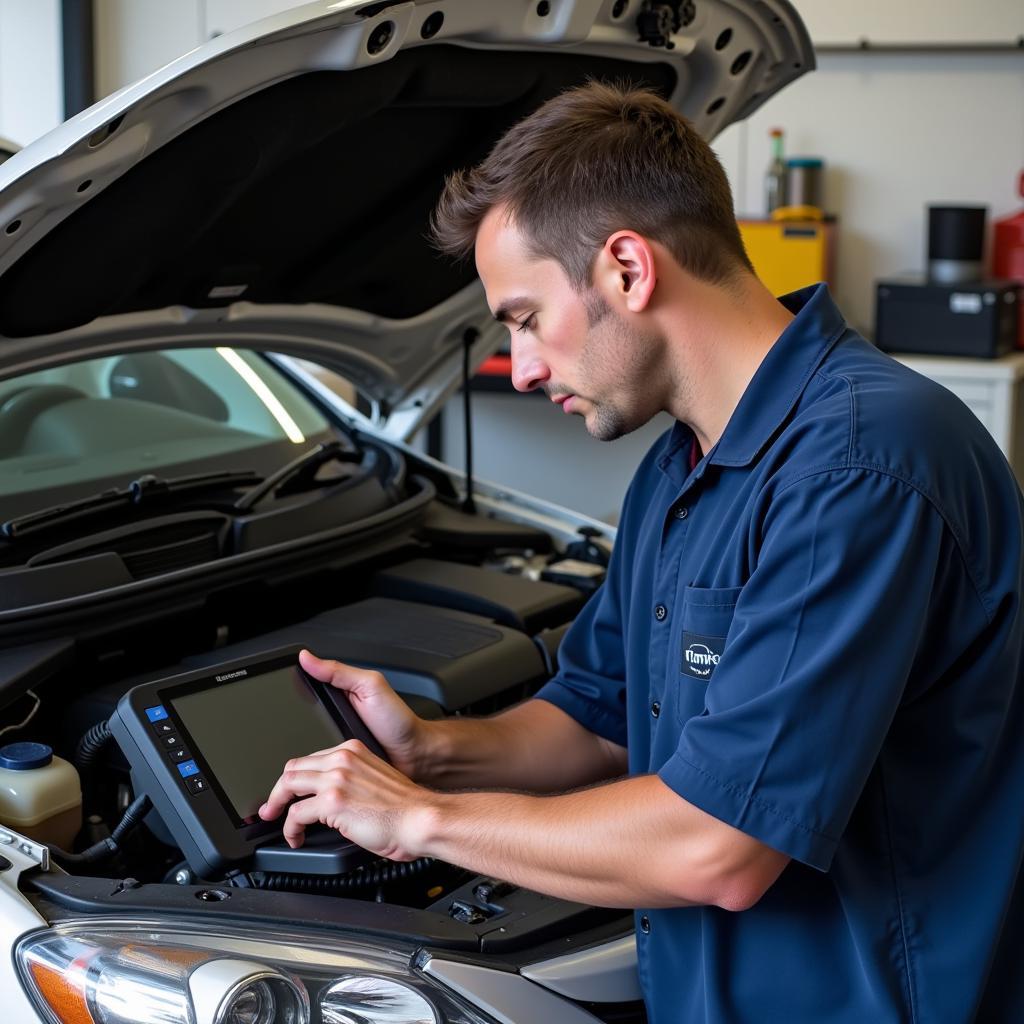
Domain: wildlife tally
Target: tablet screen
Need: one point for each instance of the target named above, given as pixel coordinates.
(246, 729)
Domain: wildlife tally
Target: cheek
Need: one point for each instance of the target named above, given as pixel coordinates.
(602, 346)
(568, 335)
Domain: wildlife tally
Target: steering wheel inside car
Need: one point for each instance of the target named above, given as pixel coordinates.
(20, 409)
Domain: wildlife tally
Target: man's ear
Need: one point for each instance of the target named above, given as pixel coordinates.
(625, 269)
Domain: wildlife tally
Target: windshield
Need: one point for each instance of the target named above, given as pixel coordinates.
(118, 417)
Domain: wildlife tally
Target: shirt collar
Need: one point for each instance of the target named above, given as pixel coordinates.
(775, 387)
(782, 376)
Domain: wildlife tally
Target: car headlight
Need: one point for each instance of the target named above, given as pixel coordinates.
(142, 972)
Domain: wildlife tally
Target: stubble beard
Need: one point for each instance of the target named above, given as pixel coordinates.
(610, 334)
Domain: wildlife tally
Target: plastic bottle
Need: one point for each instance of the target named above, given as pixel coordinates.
(775, 176)
(40, 794)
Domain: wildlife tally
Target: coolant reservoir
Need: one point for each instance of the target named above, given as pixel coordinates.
(40, 794)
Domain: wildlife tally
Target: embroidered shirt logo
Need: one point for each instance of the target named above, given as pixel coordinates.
(701, 654)
(701, 659)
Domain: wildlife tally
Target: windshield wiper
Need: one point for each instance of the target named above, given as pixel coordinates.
(140, 492)
(300, 472)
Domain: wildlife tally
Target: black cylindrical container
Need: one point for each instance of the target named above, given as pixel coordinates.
(956, 241)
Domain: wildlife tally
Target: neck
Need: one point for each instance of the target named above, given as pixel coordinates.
(717, 338)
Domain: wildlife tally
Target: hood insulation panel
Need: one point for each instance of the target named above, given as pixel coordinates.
(316, 189)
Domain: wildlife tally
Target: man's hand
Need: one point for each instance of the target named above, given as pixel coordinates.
(394, 725)
(631, 843)
(350, 789)
(534, 746)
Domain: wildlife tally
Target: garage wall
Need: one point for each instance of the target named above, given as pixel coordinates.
(882, 21)
(135, 37)
(529, 444)
(31, 69)
(897, 131)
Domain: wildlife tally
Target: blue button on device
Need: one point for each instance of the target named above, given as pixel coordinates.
(188, 768)
(157, 714)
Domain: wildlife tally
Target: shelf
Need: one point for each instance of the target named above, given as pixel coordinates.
(950, 49)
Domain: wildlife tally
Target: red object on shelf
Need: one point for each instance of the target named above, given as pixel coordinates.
(1008, 253)
(496, 366)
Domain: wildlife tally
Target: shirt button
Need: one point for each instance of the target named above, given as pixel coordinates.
(645, 925)
(655, 709)
(660, 611)
(682, 512)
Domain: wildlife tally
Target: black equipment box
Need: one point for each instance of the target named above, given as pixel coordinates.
(449, 658)
(971, 318)
(514, 601)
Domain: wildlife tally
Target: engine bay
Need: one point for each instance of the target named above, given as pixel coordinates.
(461, 612)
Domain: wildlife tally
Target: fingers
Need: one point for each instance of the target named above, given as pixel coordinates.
(303, 776)
(287, 788)
(404, 736)
(350, 790)
(325, 760)
(300, 815)
(356, 745)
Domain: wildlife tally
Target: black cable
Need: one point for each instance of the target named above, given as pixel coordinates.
(89, 747)
(86, 758)
(106, 848)
(468, 505)
(368, 876)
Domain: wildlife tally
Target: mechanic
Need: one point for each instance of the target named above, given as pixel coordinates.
(809, 641)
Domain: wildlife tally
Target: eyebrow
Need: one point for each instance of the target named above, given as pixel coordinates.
(504, 311)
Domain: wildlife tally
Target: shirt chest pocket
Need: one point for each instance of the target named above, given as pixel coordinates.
(707, 614)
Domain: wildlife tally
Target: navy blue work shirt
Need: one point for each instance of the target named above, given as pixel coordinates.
(815, 636)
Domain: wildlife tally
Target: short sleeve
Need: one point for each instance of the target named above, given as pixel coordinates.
(819, 651)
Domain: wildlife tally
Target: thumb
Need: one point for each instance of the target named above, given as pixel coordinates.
(318, 668)
(358, 683)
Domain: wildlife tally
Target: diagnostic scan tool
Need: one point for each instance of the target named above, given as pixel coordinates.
(207, 747)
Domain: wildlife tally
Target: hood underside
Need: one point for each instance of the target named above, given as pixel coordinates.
(295, 164)
(316, 189)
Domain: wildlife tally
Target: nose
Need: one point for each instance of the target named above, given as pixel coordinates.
(528, 370)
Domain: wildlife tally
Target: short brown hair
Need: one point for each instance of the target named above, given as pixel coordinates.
(591, 161)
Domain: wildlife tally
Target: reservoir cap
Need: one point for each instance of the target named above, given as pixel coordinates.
(21, 757)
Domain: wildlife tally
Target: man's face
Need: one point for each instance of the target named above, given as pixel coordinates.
(574, 345)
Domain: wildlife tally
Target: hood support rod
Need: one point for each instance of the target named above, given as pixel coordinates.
(468, 337)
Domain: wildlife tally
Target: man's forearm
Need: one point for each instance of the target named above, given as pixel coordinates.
(625, 844)
(534, 747)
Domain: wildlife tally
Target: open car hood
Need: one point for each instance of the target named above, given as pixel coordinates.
(272, 188)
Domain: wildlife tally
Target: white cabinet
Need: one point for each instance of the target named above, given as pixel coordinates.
(993, 389)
